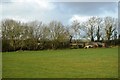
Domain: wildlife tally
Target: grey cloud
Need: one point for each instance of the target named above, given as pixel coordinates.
(63, 11)
(5, 1)
(86, 8)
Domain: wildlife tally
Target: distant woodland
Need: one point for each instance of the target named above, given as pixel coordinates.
(36, 35)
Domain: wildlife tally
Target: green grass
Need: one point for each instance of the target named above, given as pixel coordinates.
(0, 65)
(69, 63)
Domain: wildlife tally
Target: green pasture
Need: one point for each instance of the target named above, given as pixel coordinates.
(68, 63)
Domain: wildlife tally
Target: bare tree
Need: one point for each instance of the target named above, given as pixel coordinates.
(98, 28)
(58, 33)
(110, 26)
(76, 29)
(11, 30)
(91, 24)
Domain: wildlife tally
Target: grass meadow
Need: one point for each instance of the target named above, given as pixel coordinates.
(68, 63)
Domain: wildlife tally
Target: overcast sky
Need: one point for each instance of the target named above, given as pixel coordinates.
(30, 10)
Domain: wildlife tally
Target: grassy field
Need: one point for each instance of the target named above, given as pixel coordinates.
(69, 63)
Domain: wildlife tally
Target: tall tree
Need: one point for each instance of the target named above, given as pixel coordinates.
(98, 28)
(91, 23)
(75, 29)
(58, 33)
(11, 30)
(110, 26)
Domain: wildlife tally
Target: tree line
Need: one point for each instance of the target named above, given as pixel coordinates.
(36, 35)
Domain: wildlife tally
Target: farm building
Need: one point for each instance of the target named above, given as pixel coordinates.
(78, 44)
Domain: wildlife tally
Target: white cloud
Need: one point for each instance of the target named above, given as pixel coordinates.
(43, 4)
(79, 18)
(26, 10)
(112, 14)
(20, 18)
(45, 10)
